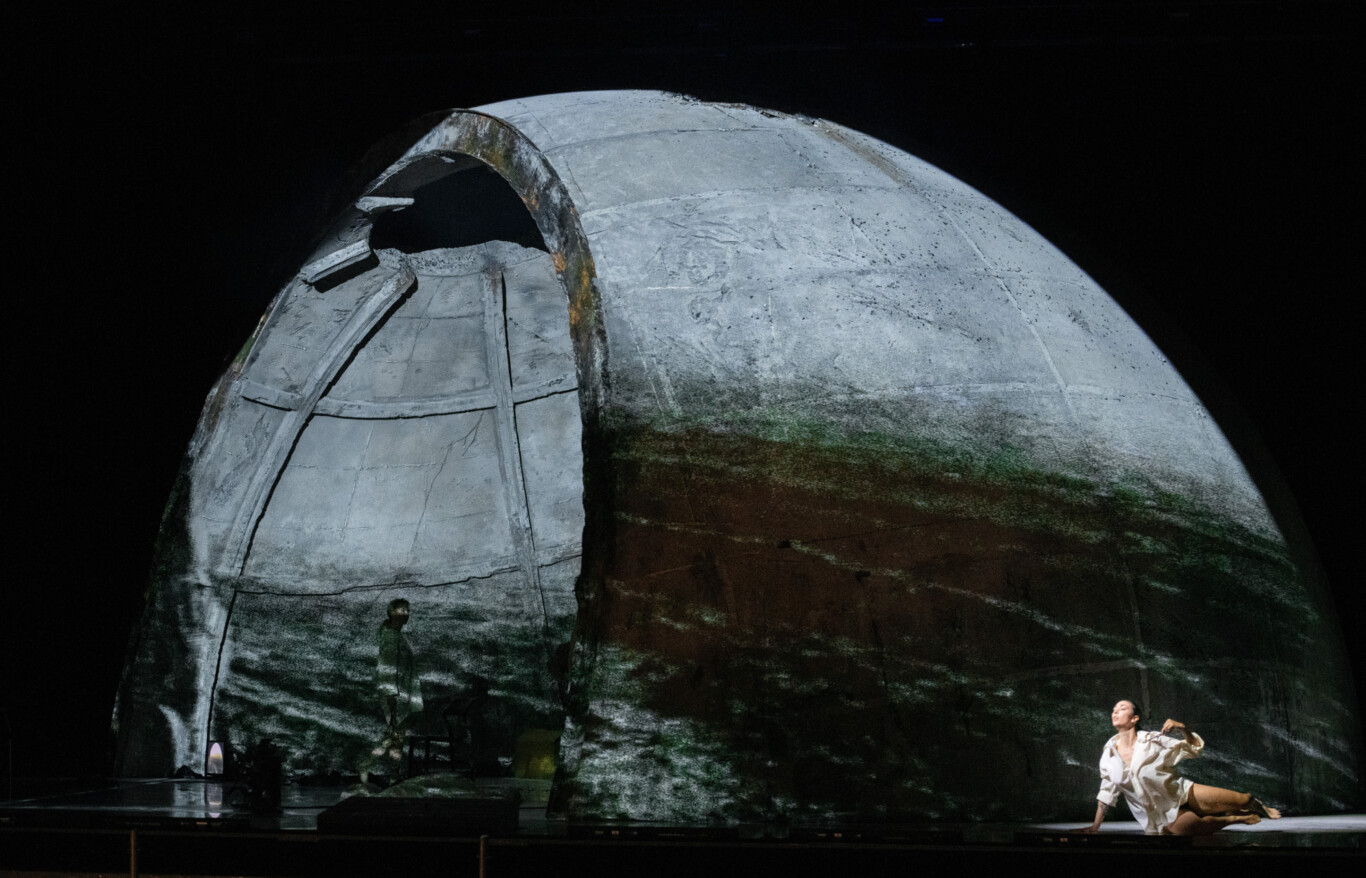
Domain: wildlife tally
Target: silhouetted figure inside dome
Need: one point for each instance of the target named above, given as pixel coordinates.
(399, 691)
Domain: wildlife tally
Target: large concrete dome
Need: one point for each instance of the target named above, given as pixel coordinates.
(786, 475)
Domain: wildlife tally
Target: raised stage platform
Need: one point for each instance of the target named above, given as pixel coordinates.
(200, 827)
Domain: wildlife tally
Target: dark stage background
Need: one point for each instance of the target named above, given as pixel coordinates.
(1198, 159)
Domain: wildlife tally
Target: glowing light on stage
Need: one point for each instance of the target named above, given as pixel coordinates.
(213, 764)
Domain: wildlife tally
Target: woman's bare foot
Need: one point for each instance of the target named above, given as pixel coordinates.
(1256, 806)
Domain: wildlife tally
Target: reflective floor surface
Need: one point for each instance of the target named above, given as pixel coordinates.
(171, 802)
(196, 827)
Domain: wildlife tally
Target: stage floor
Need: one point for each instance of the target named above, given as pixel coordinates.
(201, 827)
(68, 803)
(171, 802)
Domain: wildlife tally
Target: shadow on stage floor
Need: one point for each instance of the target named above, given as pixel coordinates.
(201, 827)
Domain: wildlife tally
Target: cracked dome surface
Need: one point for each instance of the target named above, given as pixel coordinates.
(782, 474)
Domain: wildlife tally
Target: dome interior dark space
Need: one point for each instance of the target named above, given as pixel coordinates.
(458, 210)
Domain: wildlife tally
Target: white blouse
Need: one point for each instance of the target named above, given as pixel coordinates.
(1149, 782)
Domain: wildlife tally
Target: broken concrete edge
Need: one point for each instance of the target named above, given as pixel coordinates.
(378, 184)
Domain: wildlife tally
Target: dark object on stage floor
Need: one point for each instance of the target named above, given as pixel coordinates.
(490, 813)
(265, 775)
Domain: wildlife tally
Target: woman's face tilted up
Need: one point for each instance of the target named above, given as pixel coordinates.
(1124, 716)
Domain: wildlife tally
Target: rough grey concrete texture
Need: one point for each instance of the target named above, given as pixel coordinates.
(881, 501)
(720, 231)
(412, 431)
